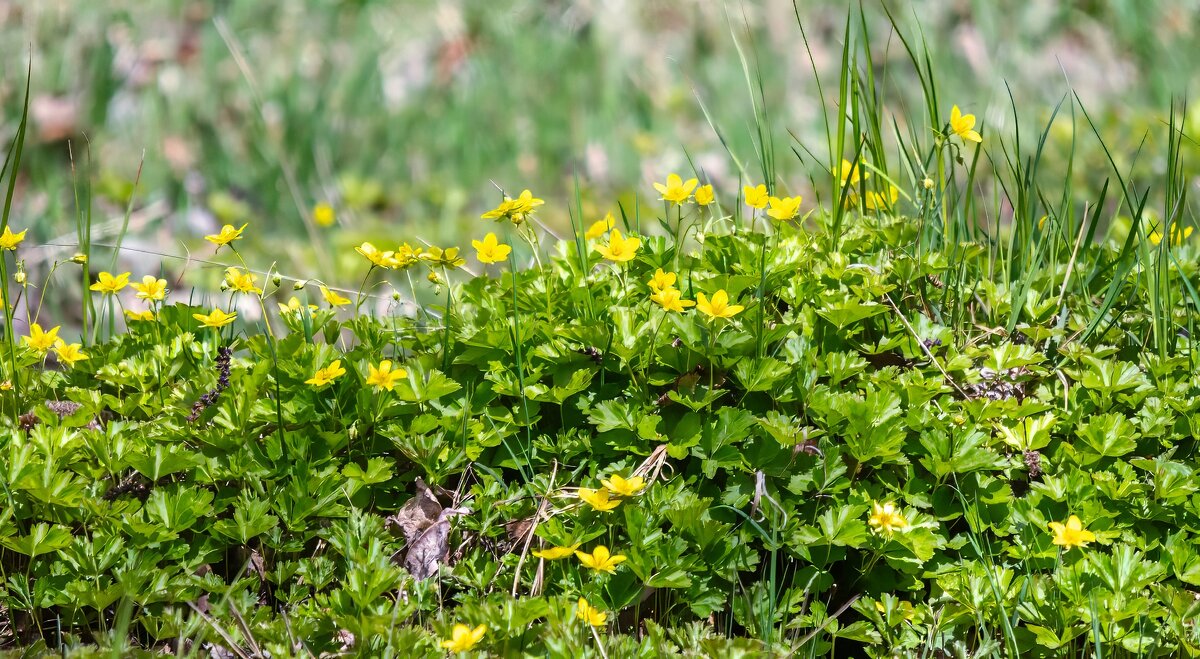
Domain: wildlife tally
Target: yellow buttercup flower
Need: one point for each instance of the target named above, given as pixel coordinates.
(463, 638)
(405, 256)
(109, 284)
(216, 319)
(242, 282)
(590, 614)
(662, 280)
(384, 376)
(377, 257)
(886, 518)
(227, 235)
(293, 305)
(328, 374)
(1178, 235)
(783, 208)
(704, 195)
(10, 240)
(676, 190)
(619, 249)
(598, 499)
(323, 215)
(555, 553)
(877, 200)
(69, 353)
(152, 288)
(718, 306)
(600, 559)
(624, 487)
(600, 227)
(448, 257)
(963, 125)
(40, 341)
(1071, 534)
(515, 210)
(849, 173)
(130, 314)
(671, 299)
(490, 249)
(333, 298)
(756, 196)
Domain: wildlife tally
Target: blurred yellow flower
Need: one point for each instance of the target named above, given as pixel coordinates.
(463, 638)
(676, 190)
(405, 256)
(333, 298)
(376, 257)
(215, 319)
(293, 305)
(704, 195)
(555, 553)
(590, 614)
(600, 559)
(152, 288)
(598, 499)
(323, 215)
(40, 341)
(661, 280)
(10, 240)
(718, 306)
(886, 518)
(619, 249)
(515, 210)
(783, 208)
(108, 284)
(756, 196)
(600, 227)
(1178, 235)
(69, 353)
(876, 200)
(963, 125)
(624, 487)
(227, 235)
(849, 173)
(384, 376)
(130, 314)
(671, 299)
(328, 374)
(1071, 534)
(490, 249)
(242, 282)
(447, 258)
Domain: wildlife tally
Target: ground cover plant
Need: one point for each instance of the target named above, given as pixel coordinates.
(912, 411)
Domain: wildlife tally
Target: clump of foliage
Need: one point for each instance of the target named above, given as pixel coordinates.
(753, 424)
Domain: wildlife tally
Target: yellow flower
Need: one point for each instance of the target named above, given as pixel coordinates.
(108, 284)
(293, 305)
(69, 353)
(323, 215)
(6, 385)
(242, 282)
(324, 376)
(1177, 235)
(963, 125)
(463, 638)
(704, 195)
(333, 298)
(10, 240)
(598, 499)
(385, 377)
(376, 257)
(600, 560)
(849, 173)
(784, 208)
(671, 299)
(622, 487)
(41, 341)
(405, 256)
(448, 257)
(514, 210)
(676, 190)
(152, 288)
(227, 235)
(662, 280)
(130, 314)
(1071, 534)
(619, 249)
(490, 250)
(590, 614)
(600, 227)
(756, 197)
(215, 319)
(885, 518)
(877, 200)
(718, 307)
(555, 553)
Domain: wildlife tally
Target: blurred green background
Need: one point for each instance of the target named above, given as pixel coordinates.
(405, 115)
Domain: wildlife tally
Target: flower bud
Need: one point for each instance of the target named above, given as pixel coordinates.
(276, 280)
(928, 183)
(19, 277)
(79, 258)
(299, 285)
